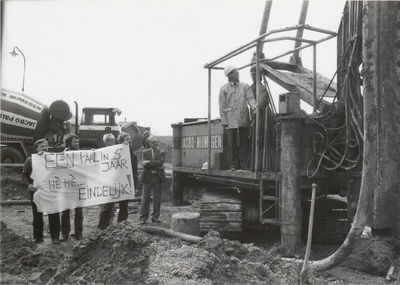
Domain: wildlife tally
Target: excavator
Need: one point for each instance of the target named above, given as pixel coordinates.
(347, 148)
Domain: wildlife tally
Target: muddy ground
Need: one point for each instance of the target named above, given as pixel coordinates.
(124, 254)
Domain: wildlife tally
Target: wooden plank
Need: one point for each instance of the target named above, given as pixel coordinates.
(302, 83)
(270, 222)
(225, 215)
(215, 200)
(279, 65)
(234, 219)
(222, 227)
(330, 215)
(270, 198)
(222, 208)
(221, 202)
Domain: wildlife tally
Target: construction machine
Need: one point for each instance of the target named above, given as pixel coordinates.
(347, 149)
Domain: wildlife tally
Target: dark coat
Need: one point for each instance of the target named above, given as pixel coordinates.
(27, 171)
(134, 162)
(156, 164)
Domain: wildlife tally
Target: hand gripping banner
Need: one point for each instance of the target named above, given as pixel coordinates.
(82, 178)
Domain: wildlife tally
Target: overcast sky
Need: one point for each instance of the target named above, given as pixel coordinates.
(145, 57)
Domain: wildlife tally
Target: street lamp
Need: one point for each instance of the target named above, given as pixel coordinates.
(14, 53)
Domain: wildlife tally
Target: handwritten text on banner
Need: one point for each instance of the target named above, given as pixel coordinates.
(82, 178)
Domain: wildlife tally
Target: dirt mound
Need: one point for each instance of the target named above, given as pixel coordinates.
(22, 262)
(118, 255)
(123, 254)
(372, 255)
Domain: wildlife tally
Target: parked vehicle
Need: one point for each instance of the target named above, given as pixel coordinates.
(25, 120)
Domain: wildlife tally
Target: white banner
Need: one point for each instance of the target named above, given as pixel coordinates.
(82, 178)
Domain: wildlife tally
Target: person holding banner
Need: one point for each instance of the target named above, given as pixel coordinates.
(123, 205)
(106, 211)
(72, 143)
(54, 219)
(152, 176)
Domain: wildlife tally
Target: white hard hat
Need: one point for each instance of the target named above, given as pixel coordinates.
(228, 69)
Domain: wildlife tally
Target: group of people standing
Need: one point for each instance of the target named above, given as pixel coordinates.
(152, 177)
(237, 106)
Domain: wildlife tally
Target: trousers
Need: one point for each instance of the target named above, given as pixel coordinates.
(238, 155)
(66, 223)
(37, 220)
(106, 211)
(155, 183)
(54, 222)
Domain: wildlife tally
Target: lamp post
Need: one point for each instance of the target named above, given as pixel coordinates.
(14, 53)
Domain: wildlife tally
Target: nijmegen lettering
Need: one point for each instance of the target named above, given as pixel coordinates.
(22, 100)
(5, 137)
(201, 142)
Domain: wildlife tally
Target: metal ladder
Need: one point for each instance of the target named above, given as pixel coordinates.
(270, 213)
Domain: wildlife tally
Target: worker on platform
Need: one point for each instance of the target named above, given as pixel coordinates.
(40, 146)
(235, 98)
(262, 101)
(152, 176)
(72, 143)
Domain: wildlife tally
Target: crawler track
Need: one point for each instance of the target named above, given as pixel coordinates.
(221, 210)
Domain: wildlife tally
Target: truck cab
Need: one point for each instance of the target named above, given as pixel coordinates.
(96, 122)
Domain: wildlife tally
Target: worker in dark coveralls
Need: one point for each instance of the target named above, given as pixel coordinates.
(123, 205)
(152, 176)
(235, 98)
(54, 219)
(263, 102)
(72, 143)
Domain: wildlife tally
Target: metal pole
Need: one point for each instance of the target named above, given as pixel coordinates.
(309, 237)
(314, 78)
(266, 143)
(291, 192)
(260, 38)
(209, 121)
(76, 119)
(23, 79)
(302, 20)
(13, 53)
(257, 108)
(265, 19)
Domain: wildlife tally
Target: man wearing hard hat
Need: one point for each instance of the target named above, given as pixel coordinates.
(235, 98)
